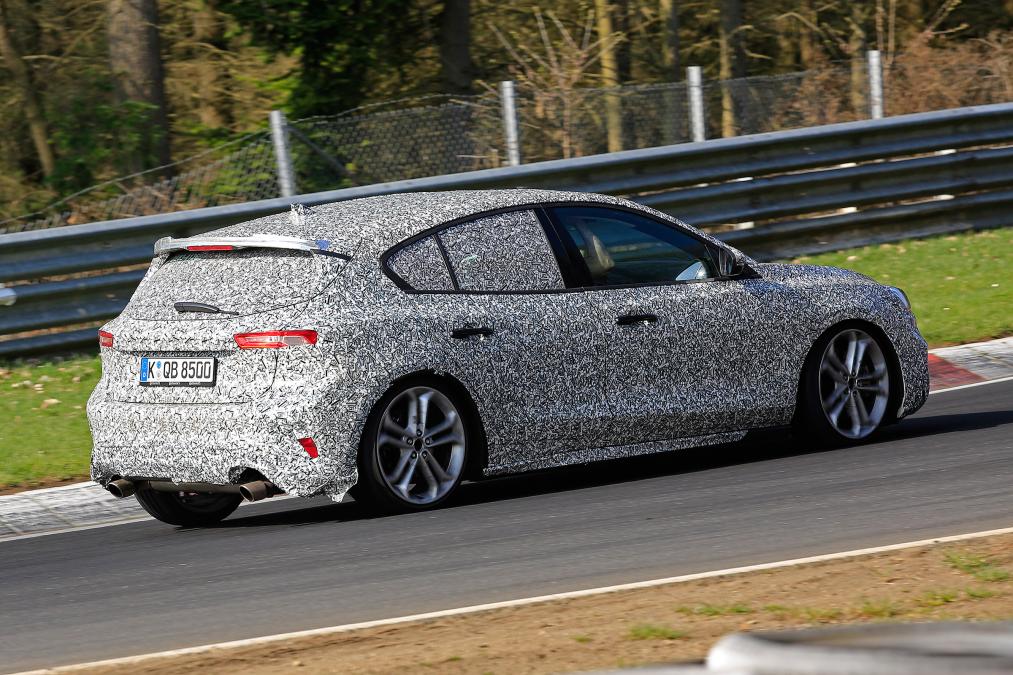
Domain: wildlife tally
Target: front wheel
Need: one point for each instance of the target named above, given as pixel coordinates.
(846, 387)
(188, 509)
(414, 449)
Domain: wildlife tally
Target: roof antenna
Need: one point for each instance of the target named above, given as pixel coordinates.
(297, 216)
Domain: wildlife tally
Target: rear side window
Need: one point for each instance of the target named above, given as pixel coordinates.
(421, 266)
(503, 252)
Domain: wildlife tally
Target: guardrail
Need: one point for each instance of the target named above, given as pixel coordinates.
(911, 175)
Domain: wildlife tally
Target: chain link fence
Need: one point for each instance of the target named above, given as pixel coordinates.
(439, 135)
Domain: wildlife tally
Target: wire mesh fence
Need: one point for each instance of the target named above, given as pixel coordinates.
(438, 135)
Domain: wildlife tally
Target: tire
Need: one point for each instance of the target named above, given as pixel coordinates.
(415, 463)
(842, 401)
(188, 510)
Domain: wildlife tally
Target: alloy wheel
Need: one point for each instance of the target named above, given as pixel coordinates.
(421, 445)
(854, 383)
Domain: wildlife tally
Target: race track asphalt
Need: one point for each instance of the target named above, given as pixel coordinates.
(141, 587)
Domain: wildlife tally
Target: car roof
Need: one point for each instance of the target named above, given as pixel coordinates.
(371, 225)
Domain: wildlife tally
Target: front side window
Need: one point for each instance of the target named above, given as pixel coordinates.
(502, 252)
(622, 248)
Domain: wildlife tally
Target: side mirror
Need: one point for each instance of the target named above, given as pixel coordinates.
(729, 264)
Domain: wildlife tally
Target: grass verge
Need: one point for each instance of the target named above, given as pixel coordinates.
(44, 437)
(671, 623)
(960, 285)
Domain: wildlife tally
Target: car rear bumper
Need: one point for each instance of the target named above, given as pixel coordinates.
(186, 443)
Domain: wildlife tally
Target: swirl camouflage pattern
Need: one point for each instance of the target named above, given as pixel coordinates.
(420, 339)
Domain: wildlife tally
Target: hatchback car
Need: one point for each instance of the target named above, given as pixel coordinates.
(397, 345)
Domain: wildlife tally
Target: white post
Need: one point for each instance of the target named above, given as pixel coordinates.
(279, 137)
(509, 108)
(696, 122)
(875, 85)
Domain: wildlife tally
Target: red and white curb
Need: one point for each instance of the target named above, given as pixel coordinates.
(967, 364)
(86, 505)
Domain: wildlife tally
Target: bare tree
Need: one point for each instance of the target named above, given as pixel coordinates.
(456, 68)
(733, 61)
(22, 77)
(212, 77)
(554, 72)
(669, 14)
(610, 75)
(856, 52)
(136, 61)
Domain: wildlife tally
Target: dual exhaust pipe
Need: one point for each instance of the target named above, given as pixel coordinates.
(253, 491)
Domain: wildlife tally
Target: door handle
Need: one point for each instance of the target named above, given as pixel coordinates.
(481, 332)
(632, 319)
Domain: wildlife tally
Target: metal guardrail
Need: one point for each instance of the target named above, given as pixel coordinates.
(911, 175)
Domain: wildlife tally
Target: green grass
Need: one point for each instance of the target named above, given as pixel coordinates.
(39, 440)
(880, 609)
(960, 286)
(646, 631)
(716, 610)
(980, 567)
(939, 598)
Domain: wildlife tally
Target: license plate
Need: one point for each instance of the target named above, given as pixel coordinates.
(178, 372)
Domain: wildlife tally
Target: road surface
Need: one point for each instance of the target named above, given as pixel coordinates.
(292, 565)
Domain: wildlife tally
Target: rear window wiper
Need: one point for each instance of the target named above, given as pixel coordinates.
(200, 307)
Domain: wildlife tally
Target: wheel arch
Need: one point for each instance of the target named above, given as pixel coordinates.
(892, 362)
(478, 458)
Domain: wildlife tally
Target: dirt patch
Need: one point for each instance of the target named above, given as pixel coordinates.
(971, 580)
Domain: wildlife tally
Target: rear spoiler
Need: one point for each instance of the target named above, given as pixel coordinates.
(203, 243)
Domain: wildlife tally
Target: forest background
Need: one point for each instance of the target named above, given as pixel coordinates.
(91, 90)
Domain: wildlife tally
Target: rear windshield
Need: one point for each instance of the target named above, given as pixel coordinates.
(244, 281)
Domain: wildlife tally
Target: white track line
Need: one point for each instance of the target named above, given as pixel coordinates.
(331, 630)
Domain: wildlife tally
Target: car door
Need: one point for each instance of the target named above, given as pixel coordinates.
(677, 338)
(517, 340)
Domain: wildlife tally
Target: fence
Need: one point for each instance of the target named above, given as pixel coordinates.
(440, 135)
(775, 195)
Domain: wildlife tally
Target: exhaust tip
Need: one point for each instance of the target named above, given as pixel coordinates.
(255, 491)
(121, 488)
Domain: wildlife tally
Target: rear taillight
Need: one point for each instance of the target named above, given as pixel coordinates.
(309, 446)
(210, 247)
(105, 339)
(272, 339)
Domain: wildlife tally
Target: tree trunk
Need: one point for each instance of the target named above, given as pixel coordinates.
(136, 61)
(669, 11)
(213, 108)
(807, 34)
(456, 68)
(856, 49)
(733, 62)
(22, 77)
(609, 75)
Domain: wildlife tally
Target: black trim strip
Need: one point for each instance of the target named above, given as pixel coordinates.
(446, 260)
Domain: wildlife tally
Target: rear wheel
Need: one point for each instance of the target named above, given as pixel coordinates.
(187, 508)
(415, 448)
(846, 386)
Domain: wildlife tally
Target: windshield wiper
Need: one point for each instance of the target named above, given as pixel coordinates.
(200, 307)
